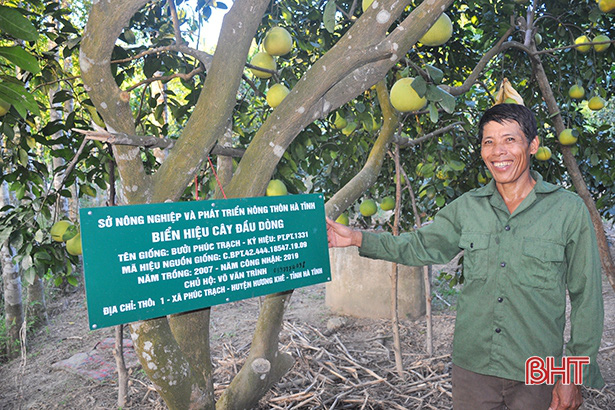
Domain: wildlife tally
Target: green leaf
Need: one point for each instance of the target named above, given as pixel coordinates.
(15, 24)
(88, 190)
(435, 73)
(29, 275)
(39, 236)
(4, 234)
(448, 102)
(26, 262)
(21, 58)
(70, 232)
(420, 86)
(15, 94)
(72, 280)
(457, 165)
(433, 113)
(594, 160)
(328, 16)
(23, 157)
(435, 93)
(20, 192)
(440, 201)
(16, 237)
(42, 256)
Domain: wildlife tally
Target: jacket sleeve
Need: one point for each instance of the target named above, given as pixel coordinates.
(435, 243)
(584, 281)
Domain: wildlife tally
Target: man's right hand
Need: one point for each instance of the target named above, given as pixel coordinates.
(340, 236)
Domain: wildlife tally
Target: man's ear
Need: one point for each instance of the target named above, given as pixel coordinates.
(534, 145)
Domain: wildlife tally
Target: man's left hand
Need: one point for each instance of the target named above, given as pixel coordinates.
(566, 397)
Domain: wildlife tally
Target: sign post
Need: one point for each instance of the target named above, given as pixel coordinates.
(147, 261)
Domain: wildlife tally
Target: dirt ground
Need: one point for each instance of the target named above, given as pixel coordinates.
(341, 362)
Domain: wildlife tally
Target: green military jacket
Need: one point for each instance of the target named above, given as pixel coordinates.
(517, 269)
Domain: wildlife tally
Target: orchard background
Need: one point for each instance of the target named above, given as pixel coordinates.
(116, 102)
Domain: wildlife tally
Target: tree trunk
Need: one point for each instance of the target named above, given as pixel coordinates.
(13, 306)
(122, 372)
(166, 366)
(37, 307)
(11, 279)
(265, 364)
(191, 330)
(399, 363)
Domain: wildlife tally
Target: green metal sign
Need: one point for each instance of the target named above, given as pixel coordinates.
(147, 261)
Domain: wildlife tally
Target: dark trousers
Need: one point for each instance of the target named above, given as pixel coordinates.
(473, 391)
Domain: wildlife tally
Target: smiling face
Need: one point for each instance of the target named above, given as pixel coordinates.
(506, 152)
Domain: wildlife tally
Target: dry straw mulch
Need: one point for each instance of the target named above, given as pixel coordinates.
(335, 371)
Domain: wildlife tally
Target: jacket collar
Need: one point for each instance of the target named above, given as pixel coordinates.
(541, 187)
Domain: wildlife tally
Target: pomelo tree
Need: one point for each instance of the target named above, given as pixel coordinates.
(170, 106)
(36, 75)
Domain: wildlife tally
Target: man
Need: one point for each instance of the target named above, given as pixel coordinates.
(525, 243)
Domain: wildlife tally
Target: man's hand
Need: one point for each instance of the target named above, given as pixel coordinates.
(340, 236)
(566, 397)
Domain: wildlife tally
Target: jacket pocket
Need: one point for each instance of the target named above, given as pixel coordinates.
(475, 255)
(543, 263)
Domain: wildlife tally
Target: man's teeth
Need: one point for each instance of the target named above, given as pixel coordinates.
(501, 164)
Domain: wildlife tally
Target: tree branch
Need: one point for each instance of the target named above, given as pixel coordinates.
(106, 21)
(328, 84)
(551, 50)
(405, 142)
(164, 78)
(202, 56)
(71, 165)
(210, 117)
(178, 33)
(482, 63)
(366, 177)
(149, 141)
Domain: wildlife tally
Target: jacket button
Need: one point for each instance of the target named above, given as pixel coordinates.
(500, 300)
(498, 330)
(503, 264)
(507, 227)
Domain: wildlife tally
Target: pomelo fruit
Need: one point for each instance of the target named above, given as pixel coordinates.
(262, 60)
(276, 94)
(58, 229)
(387, 203)
(278, 42)
(276, 188)
(368, 207)
(543, 154)
(439, 33)
(404, 98)
(73, 245)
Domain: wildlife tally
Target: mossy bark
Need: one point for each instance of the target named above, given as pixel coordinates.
(166, 366)
(191, 330)
(265, 364)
